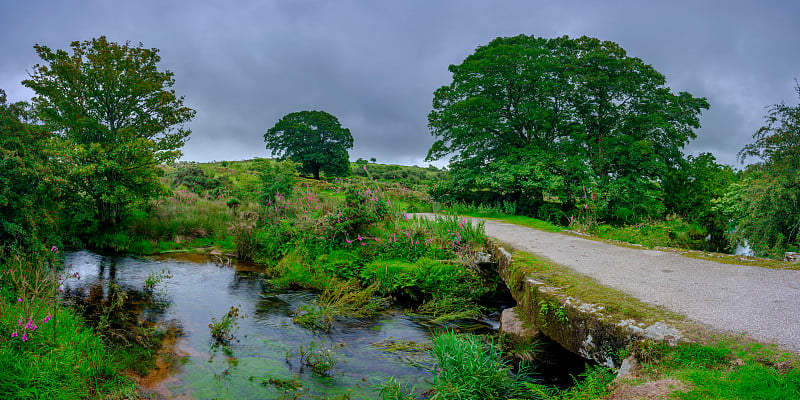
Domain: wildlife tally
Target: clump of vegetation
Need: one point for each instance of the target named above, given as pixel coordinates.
(340, 299)
(469, 366)
(156, 277)
(320, 358)
(223, 331)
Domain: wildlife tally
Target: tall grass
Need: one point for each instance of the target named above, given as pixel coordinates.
(184, 215)
(470, 369)
(46, 350)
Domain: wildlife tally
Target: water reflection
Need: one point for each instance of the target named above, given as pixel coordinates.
(266, 341)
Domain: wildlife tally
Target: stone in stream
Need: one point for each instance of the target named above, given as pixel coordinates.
(514, 328)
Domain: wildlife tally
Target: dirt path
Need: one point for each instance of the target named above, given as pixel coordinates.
(760, 302)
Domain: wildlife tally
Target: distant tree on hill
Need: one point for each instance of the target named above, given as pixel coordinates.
(315, 139)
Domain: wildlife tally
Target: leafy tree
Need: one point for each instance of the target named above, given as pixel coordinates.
(530, 118)
(690, 190)
(315, 139)
(29, 183)
(769, 203)
(118, 118)
(195, 179)
(277, 178)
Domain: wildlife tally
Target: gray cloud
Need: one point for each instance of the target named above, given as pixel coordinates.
(242, 65)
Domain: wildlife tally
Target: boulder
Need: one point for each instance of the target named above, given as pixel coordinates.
(514, 328)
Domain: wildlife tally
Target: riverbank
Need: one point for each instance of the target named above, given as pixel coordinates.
(709, 356)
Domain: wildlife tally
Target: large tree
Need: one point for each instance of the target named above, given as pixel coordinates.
(118, 117)
(533, 119)
(315, 139)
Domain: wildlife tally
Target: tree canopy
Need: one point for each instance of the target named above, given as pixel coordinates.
(533, 119)
(765, 208)
(118, 118)
(315, 139)
(29, 183)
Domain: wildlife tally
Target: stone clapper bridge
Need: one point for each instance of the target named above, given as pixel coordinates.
(665, 295)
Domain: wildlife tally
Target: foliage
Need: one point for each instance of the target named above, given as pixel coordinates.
(54, 355)
(424, 280)
(340, 299)
(222, 331)
(315, 139)
(409, 175)
(29, 184)
(690, 190)
(770, 217)
(593, 383)
(391, 389)
(673, 232)
(244, 234)
(180, 218)
(770, 202)
(118, 119)
(529, 118)
(154, 278)
(449, 308)
(321, 359)
(277, 178)
(195, 179)
(470, 369)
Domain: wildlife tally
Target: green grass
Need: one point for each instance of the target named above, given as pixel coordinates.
(470, 369)
(72, 365)
(530, 223)
(724, 370)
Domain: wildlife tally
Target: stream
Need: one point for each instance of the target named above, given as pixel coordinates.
(267, 345)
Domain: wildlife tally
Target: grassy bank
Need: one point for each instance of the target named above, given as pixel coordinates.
(710, 365)
(46, 349)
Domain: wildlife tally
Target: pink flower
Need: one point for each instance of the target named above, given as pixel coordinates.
(14, 334)
(54, 248)
(19, 299)
(47, 319)
(25, 337)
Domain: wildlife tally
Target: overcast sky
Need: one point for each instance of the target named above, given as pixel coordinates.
(375, 64)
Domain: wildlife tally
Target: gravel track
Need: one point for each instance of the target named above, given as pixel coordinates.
(760, 302)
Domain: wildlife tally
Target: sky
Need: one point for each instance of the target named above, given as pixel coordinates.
(374, 64)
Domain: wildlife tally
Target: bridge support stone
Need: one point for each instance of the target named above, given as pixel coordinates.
(580, 327)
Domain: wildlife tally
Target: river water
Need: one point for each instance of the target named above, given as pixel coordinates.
(268, 341)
